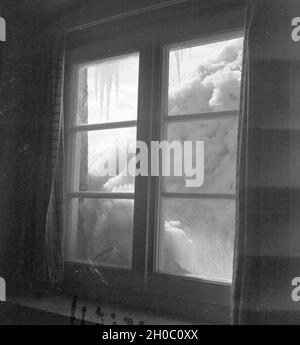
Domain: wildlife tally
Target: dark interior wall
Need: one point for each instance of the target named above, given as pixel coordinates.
(14, 68)
(19, 137)
(75, 12)
(72, 13)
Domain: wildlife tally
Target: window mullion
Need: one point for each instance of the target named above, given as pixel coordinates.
(197, 196)
(143, 184)
(105, 126)
(101, 195)
(201, 116)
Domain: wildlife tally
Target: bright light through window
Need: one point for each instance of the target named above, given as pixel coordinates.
(101, 221)
(197, 224)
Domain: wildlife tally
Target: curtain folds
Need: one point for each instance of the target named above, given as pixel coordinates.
(41, 239)
(55, 211)
(240, 255)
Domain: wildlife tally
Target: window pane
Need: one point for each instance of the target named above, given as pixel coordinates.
(220, 146)
(205, 78)
(97, 160)
(103, 231)
(108, 90)
(197, 238)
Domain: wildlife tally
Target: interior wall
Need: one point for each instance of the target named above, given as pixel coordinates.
(86, 11)
(19, 139)
(14, 69)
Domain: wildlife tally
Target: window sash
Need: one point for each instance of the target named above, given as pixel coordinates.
(127, 44)
(165, 120)
(73, 169)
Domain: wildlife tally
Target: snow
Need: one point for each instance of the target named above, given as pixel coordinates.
(214, 85)
(198, 238)
(102, 146)
(107, 227)
(220, 140)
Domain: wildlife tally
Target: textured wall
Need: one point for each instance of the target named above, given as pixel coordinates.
(16, 126)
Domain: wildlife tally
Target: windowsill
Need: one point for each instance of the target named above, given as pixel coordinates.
(61, 305)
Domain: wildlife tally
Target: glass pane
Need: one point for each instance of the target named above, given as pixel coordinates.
(97, 160)
(220, 146)
(103, 231)
(197, 238)
(205, 78)
(108, 90)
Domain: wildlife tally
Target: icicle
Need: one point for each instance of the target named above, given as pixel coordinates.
(102, 86)
(96, 82)
(117, 70)
(109, 74)
(177, 57)
(105, 76)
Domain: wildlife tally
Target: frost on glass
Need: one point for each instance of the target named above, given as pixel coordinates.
(197, 238)
(220, 147)
(109, 89)
(205, 78)
(97, 149)
(104, 231)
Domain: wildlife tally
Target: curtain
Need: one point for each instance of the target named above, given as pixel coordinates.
(55, 211)
(240, 257)
(267, 219)
(40, 250)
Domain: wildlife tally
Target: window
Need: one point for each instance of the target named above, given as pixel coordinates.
(201, 103)
(102, 205)
(154, 238)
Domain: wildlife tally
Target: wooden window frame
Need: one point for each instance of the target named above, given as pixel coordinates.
(142, 286)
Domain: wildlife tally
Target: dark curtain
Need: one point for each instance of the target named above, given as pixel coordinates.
(240, 257)
(40, 242)
(268, 198)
